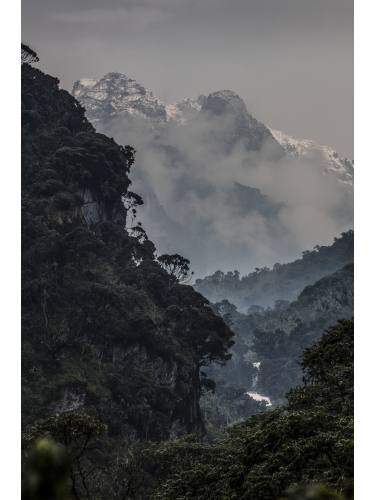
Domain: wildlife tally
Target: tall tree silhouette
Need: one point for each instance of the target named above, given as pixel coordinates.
(28, 55)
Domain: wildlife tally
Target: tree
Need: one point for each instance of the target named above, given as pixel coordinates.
(176, 266)
(139, 233)
(132, 200)
(77, 434)
(46, 473)
(28, 55)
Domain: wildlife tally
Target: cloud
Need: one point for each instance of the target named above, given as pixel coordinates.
(134, 15)
(230, 211)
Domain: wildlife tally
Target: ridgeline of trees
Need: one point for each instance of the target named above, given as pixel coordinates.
(264, 286)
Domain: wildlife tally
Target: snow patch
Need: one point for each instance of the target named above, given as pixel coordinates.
(88, 82)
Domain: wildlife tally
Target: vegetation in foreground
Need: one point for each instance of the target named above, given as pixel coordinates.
(307, 441)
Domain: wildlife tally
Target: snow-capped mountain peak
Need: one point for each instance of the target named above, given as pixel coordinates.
(223, 101)
(329, 158)
(116, 95)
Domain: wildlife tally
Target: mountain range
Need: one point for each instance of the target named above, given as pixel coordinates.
(218, 185)
(115, 95)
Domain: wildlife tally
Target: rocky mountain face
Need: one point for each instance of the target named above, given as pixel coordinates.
(244, 127)
(329, 158)
(115, 95)
(181, 112)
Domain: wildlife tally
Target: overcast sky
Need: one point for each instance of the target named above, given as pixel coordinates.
(291, 61)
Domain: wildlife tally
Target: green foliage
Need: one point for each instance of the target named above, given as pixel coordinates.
(81, 460)
(309, 440)
(73, 430)
(109, 331)
(76, 433)
(46, 473)
(317, 492)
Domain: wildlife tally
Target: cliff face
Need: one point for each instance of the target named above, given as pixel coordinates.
(106, 330)
(115, 95)
(244, 126)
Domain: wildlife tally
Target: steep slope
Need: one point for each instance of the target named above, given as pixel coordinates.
(105, 329)
(181, 112)
(245, 127)
(116, 96)
(284, 282)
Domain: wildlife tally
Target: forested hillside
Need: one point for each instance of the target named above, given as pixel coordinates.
(268, 345)
(264, 286)
(107, 328)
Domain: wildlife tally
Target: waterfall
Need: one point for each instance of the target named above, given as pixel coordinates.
(255, 395)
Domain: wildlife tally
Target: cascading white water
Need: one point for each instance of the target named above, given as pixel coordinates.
(255, 377)
(255, 395)
(259, 397)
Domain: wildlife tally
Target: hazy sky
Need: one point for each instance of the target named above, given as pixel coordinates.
(291, 61)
